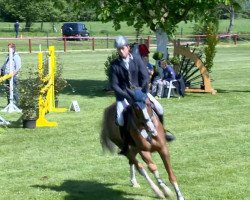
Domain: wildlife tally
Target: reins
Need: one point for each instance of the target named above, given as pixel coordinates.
(135, 122)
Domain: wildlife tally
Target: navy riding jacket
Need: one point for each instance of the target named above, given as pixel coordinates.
(124, 80)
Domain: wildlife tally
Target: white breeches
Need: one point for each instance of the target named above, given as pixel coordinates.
(158, 106)
(121, 105)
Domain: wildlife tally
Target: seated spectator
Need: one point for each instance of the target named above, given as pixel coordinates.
(155, 81)
(168, 71)
(144, 53)
(168, 74)
(150, 67)
(156, 77)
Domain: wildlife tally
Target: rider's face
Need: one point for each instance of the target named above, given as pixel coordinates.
(123, 51)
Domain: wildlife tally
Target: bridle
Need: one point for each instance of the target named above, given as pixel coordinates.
(138, 119)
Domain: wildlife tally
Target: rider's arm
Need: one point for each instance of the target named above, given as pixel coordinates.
(120, 94)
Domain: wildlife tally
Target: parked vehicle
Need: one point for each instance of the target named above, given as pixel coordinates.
(75, 31)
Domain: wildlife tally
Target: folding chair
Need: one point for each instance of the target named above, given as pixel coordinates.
(170, 88)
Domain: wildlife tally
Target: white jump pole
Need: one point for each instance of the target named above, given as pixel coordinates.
(11, 107)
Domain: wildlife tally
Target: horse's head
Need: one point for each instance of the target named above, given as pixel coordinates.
(138, 114)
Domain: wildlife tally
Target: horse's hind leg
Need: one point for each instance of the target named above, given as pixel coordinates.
(146, 156)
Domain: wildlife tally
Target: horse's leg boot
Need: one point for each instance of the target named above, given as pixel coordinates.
(169, 136)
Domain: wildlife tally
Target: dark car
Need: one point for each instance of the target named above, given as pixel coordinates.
(75, 30)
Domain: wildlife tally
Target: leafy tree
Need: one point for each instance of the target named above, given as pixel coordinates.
(78, 11)
(231, 6)
(162, 16)
(209, 25)
(32, 10)
(153, 13)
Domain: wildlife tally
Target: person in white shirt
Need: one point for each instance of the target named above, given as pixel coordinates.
(5, 69)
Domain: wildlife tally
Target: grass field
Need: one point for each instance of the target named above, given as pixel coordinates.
(210, 156)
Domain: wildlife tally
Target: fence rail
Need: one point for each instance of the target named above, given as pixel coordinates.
(35, 44)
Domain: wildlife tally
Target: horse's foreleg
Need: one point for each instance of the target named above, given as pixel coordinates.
(143, 172)
(132, 176)
(167, 191)
(178, 192)
(154, 187)
(172, 178)
(146, 156)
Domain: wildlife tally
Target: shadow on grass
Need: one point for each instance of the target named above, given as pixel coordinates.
(231, 91)
(96, 88)
(16, 124)
(88, 190)
(89, 88)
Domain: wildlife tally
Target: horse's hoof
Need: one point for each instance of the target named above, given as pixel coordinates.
(136, 185)
(161, 196)
(180, 198)
(167, 192)
(159, 193)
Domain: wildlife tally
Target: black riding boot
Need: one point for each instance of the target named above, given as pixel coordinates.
(169, 136)
(124, 148)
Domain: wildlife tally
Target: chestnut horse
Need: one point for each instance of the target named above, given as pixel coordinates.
(111, 139)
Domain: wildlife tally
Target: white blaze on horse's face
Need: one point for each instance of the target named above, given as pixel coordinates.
(123, 51)
(139, 114)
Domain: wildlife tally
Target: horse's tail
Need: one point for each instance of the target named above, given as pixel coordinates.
(106, 131)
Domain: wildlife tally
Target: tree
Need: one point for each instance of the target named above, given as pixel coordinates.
(32, 10)
(231, 6)
(161, 16)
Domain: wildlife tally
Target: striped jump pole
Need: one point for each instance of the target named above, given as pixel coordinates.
(11, 107)
(44, 103)
(51, 92)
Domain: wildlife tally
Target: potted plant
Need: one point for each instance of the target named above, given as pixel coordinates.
(29, 90)
(107, 65)
(176, 64)
(59, 81)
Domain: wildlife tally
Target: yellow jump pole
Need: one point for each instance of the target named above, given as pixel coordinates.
(51, 92)
(5, 77)
(42, 103)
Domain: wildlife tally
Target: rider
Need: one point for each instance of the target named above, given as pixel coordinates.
(128, 72)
